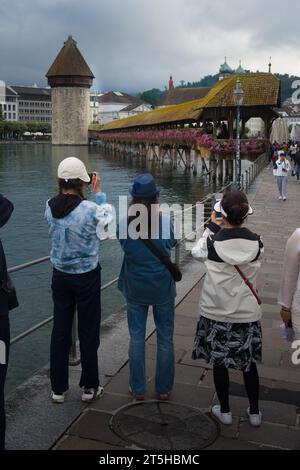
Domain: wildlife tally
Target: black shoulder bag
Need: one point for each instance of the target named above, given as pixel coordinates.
(172, 267)
(10, 290)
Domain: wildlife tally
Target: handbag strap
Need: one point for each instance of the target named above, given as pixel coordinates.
(248, 283)
(156, 251)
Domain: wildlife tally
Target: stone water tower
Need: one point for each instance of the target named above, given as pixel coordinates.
(70, 79)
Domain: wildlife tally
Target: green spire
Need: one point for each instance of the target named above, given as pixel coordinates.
(224, 68)
(240, 69)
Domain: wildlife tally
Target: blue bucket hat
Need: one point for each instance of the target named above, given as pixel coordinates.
(144, 186)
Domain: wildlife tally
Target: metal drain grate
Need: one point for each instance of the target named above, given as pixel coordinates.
(164, 426)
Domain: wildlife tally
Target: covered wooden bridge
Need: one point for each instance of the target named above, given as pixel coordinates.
(204, 128)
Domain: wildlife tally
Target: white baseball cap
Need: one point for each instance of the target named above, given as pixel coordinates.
(72, 168)
(218, 208)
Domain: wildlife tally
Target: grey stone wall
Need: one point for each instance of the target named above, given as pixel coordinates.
(70, 116)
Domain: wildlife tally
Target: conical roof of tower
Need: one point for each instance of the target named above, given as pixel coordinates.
(69, 62)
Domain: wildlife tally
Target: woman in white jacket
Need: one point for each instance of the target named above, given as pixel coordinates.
(289, 295)
(229, 331)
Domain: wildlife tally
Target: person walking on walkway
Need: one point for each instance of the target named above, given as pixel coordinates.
(229, 332)
(283, 167)
(76, 283)
(297, 164)
(6, 209)
(145, 281)
(289, 294)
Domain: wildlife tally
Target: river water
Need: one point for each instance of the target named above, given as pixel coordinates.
(28, 179)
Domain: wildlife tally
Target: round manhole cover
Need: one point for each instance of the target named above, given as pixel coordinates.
(165, 426)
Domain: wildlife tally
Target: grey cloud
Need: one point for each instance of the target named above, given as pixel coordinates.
(135, 44)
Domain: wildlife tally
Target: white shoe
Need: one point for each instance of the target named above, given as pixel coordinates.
(91, 394)
(254, 420)
(224, 418)
(57, 398)
(280, 198)
(284, 198)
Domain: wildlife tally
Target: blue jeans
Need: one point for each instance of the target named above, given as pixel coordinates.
(282, 182)
(165, 358)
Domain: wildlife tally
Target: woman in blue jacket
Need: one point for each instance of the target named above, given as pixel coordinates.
(74, 224)
(145, 281)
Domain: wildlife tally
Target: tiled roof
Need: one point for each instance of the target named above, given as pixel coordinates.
(118, 97)
(69, 62)
(10, 92)
(183, 95)
(30, 90)
(130, 107)
(181, 112)
(260, 89)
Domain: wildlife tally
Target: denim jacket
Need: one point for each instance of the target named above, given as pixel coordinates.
(143, 278)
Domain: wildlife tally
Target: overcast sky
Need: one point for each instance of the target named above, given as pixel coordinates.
(134, 45)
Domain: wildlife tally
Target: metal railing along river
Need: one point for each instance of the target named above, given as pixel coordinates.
(247, 177)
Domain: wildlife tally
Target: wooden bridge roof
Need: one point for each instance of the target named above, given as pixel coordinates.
(260, 89)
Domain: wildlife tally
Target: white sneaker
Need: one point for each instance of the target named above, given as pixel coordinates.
(57, 398)
(280, 198)
(91, 394)
(254, 420)
(284, 198)
(224, 418)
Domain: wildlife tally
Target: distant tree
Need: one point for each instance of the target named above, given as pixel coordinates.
(286, 85)
(152, 96)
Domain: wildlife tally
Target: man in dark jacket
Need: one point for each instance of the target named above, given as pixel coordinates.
(6, 209)
(297, 163)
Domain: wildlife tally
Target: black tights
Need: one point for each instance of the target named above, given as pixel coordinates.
(251, 380)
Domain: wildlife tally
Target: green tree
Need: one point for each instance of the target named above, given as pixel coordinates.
(152, 96)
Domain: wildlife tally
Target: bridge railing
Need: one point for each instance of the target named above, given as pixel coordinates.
(248, 176)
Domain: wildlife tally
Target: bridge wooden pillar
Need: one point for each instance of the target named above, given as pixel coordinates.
(221, 170)
(229, 169)
(149, 152)
(188, 158)
(213, 167)
(195, 163)
(159, 154)
(174, 156)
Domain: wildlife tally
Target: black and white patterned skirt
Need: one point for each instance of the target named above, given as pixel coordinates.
(230, 345)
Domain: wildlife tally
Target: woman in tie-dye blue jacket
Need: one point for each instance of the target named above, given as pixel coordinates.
(74, 226)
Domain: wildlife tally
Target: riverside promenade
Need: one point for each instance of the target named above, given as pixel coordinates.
(280, 379)
(74, 426)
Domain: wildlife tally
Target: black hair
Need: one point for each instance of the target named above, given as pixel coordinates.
(74, 184)
(236, 206)
(147, 202)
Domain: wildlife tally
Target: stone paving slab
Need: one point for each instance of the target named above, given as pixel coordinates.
(275, 435)
(75, 443)
(95, 425)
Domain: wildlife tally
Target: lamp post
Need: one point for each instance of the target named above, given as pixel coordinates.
(238, 96)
